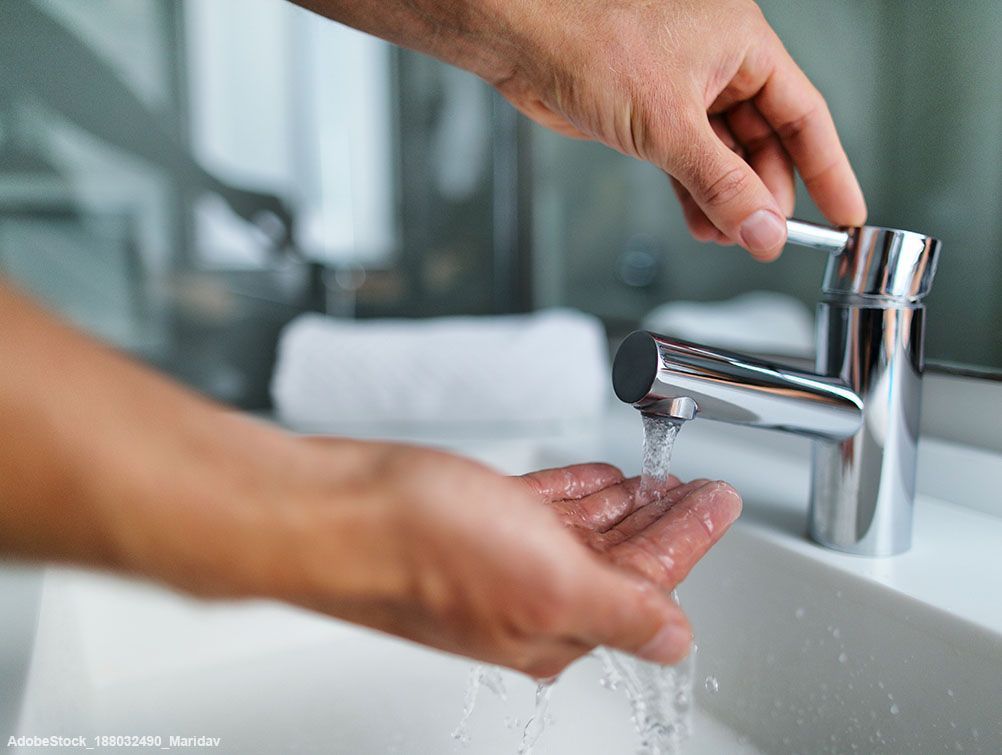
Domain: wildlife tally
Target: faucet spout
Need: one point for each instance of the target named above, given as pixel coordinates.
(675, 378)
(861, 407)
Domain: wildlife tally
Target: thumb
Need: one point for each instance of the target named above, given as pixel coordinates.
(728, 191)
(628, 613)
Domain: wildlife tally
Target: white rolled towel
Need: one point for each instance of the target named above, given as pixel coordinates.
(543, 369)
(764, 322)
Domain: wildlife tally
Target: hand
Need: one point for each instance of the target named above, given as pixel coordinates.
(413, 542)
(658, 534)
(701, 88)
(442, 551)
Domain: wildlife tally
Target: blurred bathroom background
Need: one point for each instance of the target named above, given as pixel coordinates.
(183, 177)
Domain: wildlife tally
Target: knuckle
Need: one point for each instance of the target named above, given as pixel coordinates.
(726, 187)
(814, 110)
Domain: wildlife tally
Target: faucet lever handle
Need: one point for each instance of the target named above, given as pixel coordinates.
(815, 236)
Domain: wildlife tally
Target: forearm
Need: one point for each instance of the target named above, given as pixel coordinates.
(106, 464)
(91, 444)
(477, 36)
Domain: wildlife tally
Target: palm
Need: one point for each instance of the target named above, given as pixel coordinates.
(659, 538)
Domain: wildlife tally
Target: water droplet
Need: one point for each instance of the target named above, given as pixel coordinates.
(799, 613)
(836, 633)
(950, 692)
(842, 658)
(711, 684)
(895, 709)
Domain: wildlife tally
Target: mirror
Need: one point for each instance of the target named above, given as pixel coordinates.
(182, 178)
(908, 86)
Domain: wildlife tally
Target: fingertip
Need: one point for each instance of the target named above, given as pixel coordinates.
(729, 499)
(859, 215)
(763, 234)
(844, 205)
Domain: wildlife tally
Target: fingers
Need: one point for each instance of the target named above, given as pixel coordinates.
(699, 225)
(646, 513)
(727, 190)
(764, 153)
(695, 219)
(573, 482)
(669, 543)
(622, 612)
(799, 115)
(599, 511)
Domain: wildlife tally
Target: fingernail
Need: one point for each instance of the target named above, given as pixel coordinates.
(762, 231)
(669, 646)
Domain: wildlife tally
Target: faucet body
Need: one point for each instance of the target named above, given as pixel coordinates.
(862, 404)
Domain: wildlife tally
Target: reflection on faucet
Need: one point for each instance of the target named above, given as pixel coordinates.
(861, 405)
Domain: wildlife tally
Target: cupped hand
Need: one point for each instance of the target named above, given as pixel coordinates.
(658, 533)
(528, 572)
(704, 89)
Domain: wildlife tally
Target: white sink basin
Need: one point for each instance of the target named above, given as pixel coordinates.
(812, 651)
(115, 657)
(20, 589)
(814, 661)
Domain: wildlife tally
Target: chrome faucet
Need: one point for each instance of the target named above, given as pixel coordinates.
(861, 405)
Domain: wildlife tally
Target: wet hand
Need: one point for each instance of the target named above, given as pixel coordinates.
(440, 550)
(659, 535)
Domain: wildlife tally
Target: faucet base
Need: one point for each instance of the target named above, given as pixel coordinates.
(863, 487)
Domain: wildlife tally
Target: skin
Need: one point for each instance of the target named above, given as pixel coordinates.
(703, 89)
(104, 463)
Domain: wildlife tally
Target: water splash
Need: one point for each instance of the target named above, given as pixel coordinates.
(539, 719)
(661, 697)
(481, 675)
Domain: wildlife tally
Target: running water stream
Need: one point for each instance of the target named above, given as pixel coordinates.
(661, 697)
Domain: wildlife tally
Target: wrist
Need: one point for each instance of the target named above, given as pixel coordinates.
(259, 513)
(175, 506)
